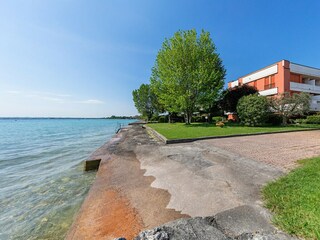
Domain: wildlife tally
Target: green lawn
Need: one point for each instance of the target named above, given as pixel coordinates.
(295, 200)
(195, 130)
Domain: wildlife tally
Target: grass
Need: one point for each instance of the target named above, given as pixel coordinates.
(196, 130)
(295, 200)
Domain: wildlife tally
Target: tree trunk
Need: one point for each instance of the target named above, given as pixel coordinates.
(188, 117)
(169, 117)
(284, 120)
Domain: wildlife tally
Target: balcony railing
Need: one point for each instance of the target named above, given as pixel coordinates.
(235, 83)
(302, 87)
(269, 92)
(315, 107)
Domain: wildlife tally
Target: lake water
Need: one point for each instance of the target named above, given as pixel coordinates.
(42, 182)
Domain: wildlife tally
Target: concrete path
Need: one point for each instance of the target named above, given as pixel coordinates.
(204, 180)
(142, 183)
(121, 201)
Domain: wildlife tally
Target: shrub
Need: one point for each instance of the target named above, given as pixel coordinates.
(163, 119)
(196, 119)
(154, 118)
(220, 124)
(313, 119)
(274, 119)
(252, 110)
(300, 120)
(216, 119)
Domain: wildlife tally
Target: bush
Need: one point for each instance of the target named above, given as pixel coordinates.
(252, 110)
(300, 121)
(196, 119)
(274, 119)
(154, 118)
(220, 124)
(163, 119)
(313, 119)
(217, 119)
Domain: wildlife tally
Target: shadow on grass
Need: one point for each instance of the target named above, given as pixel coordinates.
(210, 125)
(213, 125)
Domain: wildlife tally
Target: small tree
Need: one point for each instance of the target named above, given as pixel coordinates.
(231, 96)
(287, 105)
(253, 109)
(146, 101)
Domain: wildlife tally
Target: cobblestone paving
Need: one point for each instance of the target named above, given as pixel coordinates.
(280, 150)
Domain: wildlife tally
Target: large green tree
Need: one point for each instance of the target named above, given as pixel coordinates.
(188, 73)
(146, 101)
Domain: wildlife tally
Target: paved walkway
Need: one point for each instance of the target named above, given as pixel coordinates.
(142, 183)
(279, 150)
(204, 180)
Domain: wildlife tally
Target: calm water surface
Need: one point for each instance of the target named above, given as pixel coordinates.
(42, 182)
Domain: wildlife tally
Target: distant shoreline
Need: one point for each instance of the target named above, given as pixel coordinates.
(63, 118)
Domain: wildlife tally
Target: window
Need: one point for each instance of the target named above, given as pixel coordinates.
(269, 82)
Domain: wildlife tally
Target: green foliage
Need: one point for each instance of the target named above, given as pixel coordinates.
(274, 119)
(300, 121)
(313, 119)
(154, 118)
(163, 119)
(289, 106)
(188, 73)
(232, 96)
(146, 101)
(197, 119)
(295, 200)
(252, 110)
(217, 119)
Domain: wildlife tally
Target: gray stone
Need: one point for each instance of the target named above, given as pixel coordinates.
(154, 234)
(258, 236)
(240, 223)
(184, 229)
(244, 219)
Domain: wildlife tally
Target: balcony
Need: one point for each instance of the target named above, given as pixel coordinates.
(303, 87)
(235, 83)
(315, 103)
(315, 107)
(268, 92)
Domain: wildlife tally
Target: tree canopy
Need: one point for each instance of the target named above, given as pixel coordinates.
(232, 96)
(287, 105)
(253, 109)
(188, 73)
(145, 101)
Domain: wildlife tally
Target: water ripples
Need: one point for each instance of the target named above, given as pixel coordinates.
(42, 183)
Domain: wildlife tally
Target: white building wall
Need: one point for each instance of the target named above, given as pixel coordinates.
(260, 74)
(304, 70)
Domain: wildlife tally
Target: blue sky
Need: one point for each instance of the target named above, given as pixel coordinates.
(76, 58)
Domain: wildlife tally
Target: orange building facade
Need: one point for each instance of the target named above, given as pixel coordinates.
(281, 77)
